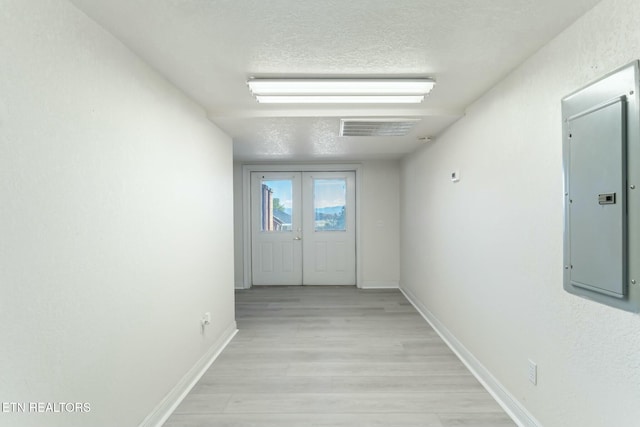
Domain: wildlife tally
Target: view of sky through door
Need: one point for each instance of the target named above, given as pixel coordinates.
(277, 205)
(329, 204)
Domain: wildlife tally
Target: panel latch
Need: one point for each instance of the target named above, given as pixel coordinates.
(607, 199)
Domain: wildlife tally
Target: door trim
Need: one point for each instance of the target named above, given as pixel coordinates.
(274, 167)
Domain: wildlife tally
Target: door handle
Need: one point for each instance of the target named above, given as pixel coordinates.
(297, 238)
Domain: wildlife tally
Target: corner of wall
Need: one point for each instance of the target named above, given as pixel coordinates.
(506, 400)
(177, 394)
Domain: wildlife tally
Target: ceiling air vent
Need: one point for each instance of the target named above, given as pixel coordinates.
(376, 126)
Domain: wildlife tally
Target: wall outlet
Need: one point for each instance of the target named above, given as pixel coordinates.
(533, 373)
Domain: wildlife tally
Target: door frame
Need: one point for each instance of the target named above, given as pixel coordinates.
(293, 167)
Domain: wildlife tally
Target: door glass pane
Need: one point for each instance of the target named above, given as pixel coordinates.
(277, 205)
(329, 204)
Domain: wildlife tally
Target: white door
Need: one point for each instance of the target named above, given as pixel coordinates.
(329, 238)
(276, 241)
(303, 228)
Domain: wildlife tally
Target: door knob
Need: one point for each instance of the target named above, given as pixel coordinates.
(297, 238)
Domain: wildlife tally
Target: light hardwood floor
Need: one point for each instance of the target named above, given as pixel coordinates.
(335, 357)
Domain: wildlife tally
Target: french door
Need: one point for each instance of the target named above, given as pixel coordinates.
(303, 228)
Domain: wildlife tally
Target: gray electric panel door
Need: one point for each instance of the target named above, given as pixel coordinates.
(597, 196)
(601, 160)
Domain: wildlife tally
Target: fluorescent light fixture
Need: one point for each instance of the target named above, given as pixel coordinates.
(351, 91)
(340, 99)
(340, 86)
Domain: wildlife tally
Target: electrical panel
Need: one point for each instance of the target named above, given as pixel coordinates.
(601, 159)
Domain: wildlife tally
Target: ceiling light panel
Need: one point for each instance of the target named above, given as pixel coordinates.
(340, 87)
(340, 99)
(340, 91)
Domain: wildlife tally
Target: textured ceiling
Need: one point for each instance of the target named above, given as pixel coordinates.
(208, 48)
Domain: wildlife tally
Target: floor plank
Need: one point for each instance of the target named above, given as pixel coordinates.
(361, 403)
(335, 356)
(304, 420)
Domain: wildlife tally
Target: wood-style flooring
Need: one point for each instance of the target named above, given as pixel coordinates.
(335, 357)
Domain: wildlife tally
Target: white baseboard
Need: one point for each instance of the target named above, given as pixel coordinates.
(380, 284)
(171, 401)
(239, 285)
(510, 404)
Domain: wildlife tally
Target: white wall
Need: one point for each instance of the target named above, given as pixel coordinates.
(238, 234)
(484, 255)
(380, 223)
(379, 230)
(115, 223)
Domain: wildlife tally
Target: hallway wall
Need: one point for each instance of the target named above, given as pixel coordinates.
(484, 255)
(380, 223)
(115, 213)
